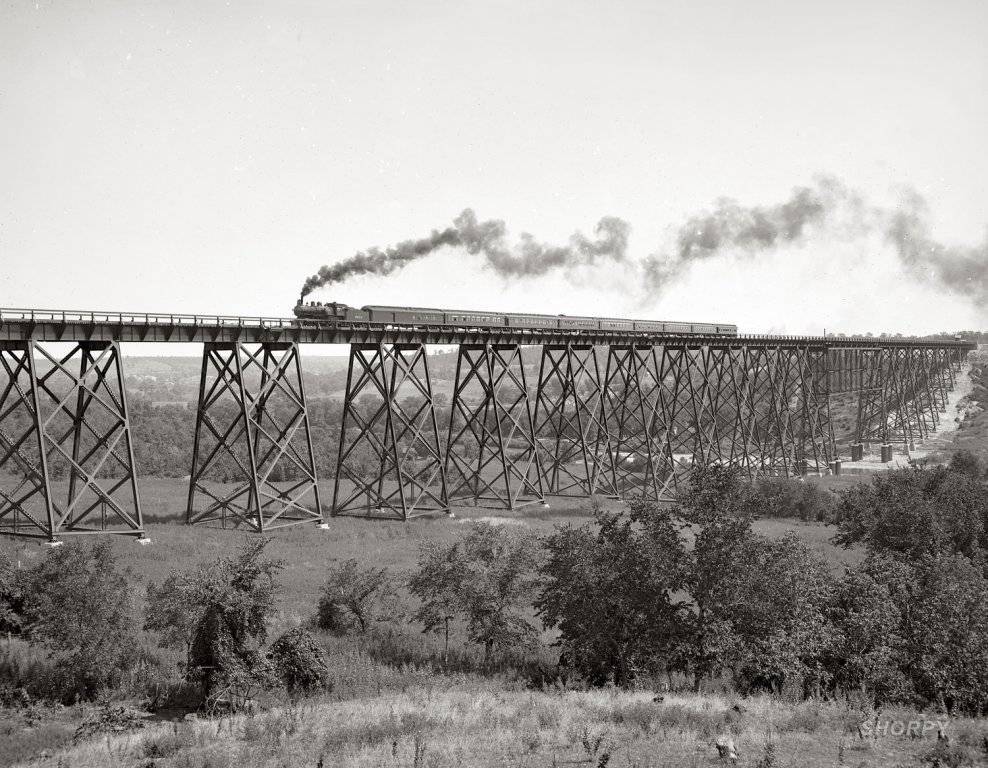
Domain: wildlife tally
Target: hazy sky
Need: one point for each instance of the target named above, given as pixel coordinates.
(199, 156)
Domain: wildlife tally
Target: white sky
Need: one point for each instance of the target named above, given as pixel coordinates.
(199, 156)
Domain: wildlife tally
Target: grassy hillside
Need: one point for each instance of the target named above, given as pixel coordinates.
(467, 723)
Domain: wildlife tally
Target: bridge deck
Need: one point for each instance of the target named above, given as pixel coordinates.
(22, 325)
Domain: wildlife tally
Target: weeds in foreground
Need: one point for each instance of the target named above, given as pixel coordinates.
(435, 728)
(593, 746)
(768, 758)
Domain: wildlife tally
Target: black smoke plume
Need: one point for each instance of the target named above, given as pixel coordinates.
(959, 268)
(833, 210)
(487, 239)
(751, 229)
(827, 208)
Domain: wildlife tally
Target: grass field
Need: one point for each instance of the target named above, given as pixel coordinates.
(307, 550)
(469, 723)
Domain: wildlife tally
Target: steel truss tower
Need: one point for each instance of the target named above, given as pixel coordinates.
(577, 457)
(253, 463)
(66, 455)
(672, 407)
(492, 455)
(390, 462)
(631, 402)
(902, 394)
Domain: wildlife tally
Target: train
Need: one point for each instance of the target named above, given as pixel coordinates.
(336, 312)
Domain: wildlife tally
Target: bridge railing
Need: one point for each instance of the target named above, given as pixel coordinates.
(16, 315)
(147, 318)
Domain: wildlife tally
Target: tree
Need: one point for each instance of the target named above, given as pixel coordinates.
(219, 613)
(946, 633)
(11, 603)
(780, 624)
(609, 591)
(298, 662)
(355, 595)
(719, 507)
(865, 647)
(717, 495)
(789, 497)
(485, 577)
(77, 604)
(966, 463)
(916, 513)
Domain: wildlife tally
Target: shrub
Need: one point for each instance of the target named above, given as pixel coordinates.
(608, 590)
(485, 577)
(866, 645)
(109, 719)
(915, 512)
(780, 621)
(946, 630)
(299, 662)
(966, 463)
(219, 613)
(11, 606)
(76, 605)
(789, 497)
(356, 596)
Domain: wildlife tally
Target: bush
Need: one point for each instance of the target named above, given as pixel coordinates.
(299, 662)
(77, 606)
(355, 597)
(608, 590)
(915, 513)
(966, 463)
(791, 498)
(219, 613)
(866, 647)
(109, 719)
(485, 577)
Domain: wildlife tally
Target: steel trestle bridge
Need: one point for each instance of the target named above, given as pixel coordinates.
(612, 413)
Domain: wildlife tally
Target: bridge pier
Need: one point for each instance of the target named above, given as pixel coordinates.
(570, 425)
(389, 447)
(632, 387)
(492, 455)
(903, 395)
(66, 423)
(252, 431)
(817, 447)
(771, 378)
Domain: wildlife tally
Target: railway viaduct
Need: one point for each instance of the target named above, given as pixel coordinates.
(611, 414)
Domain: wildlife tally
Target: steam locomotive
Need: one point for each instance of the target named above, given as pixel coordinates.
(335, 312)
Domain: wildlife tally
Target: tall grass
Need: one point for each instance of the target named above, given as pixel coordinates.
(473, 723)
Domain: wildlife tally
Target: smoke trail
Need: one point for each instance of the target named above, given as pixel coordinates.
(752, 230)
(487, 239)
(832, 210)
(827, 209)
(380, 262)
(960, 269)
